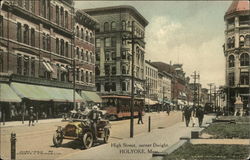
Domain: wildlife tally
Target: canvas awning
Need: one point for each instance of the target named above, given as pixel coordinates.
(7, 94)
(148, 101)
(90, 96)
(44, 93)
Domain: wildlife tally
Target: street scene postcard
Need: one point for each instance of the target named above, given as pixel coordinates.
(124, 80)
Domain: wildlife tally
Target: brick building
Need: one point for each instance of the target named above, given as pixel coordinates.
(38, 55)
(114, 52)
(236, 51)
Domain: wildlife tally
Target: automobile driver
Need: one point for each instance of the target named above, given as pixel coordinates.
(94, 116)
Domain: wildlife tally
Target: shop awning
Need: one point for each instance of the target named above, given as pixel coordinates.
(44, 93)
(91, 96)
(148, 101)
(7, 94)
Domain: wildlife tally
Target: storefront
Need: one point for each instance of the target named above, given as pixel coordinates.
(91, 98)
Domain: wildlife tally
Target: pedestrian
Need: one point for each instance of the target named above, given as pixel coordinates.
(140, 116)
(193, 115)
(200, 115)
(31, 116)
(187, 115)
(168, 109)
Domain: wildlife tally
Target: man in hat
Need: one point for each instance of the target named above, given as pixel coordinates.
(94, 116)
(31, 116)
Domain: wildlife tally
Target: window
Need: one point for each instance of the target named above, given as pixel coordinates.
(124, 86)
(113, 54)
(106, 26)
(90, 77)
(107, 87)
(87, 36)
(43, 8)
(97, 70)
(48, 12)
(77, 53)
(1, 26)
(20, 3)
(113, 70)
(247, 40)
(242, 40)
(107, 42)
(244, 59)
(77, 31)
(62, 47)
(97, 56)
(82, 34)
(123, 69)
(232, 42)
(113, 41)
(26, 34)
(107, 56)
(231, 61)
(67, 49)
(19, 64)
(57, 45)
(123, 25)
(44, 41)
(1, 61)
(91, 39)
(57, 14)
(113, 86)
(113, 26)
(26, 4)
(77, 74)
(33, 67)
(87, 76)
(231, 79)
(107, 70)
(229, 42)
(32, 37)
(26, 66)
(97, 28)
(87, 56)
(62, 16)
(123, 54)
(48, 42)
(66, 20)
(98, 87)
(244, 78)
(244, 20)
(97, 42)
(82, 75)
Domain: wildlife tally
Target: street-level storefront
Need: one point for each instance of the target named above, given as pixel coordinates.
(8, 100)
(47, 101)
(91, 98)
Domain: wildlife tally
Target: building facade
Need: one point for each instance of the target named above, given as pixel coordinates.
(164, 87)
(114, 50)
(151, 81)
(236, 51)
(38, 55)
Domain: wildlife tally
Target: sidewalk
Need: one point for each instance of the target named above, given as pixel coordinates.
(19, 123)
(140, 147)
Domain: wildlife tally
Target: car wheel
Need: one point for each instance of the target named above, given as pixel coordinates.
(87, 140)
(106, 135)
(57, 139)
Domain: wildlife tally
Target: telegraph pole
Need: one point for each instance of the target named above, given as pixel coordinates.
(196, 77)
(132, 39)
(210, 88)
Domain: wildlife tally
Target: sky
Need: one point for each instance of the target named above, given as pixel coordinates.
(186, 32)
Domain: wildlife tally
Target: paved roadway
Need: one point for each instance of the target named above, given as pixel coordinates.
(36, 142)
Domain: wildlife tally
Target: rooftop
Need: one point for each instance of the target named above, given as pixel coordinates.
(238, 5)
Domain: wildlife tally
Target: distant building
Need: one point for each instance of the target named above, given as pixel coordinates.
(237, 51)
(114, 51)
(164, 87)
(151, 81)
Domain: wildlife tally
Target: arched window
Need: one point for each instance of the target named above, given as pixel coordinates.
(244, 59)
(87, 36)
(26, 34)
(62, 16)
(106, 26)
(62, 47)
(231, 61)
(113, 26)
(82, 34)
(123, 25)
(247, 40)
(77, 31)
(242, 40)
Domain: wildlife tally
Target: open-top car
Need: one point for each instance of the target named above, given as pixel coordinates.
(80, 127)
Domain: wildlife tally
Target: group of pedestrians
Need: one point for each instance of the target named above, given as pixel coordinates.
(191, 113)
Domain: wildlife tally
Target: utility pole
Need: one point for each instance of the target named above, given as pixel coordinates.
(210, 88)
(196, 77)
(132, 79)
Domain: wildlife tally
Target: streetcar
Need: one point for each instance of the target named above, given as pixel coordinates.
(118, 107)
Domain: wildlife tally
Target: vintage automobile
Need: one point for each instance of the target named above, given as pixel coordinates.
(80, 128)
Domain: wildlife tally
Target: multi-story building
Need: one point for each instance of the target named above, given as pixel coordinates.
(151, 81)
(164, 87)
(37, 56)
(114, 51)
(237, 51)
